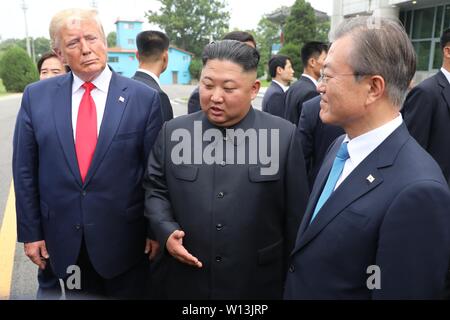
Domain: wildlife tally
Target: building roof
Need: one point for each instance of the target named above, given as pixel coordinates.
(119, 19)
(120, 50)
(176, 48)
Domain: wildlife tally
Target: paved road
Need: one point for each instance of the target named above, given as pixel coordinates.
(24, 284)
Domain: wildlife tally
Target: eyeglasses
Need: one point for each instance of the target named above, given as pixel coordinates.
(324, 78)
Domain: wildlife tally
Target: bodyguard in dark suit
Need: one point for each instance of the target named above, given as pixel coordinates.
(427, 111)
(153, 56)
(316, 137)
(242, 36)
(313, 56)
(226, 215)
(377, 225)
(80, 146)
(280, 69)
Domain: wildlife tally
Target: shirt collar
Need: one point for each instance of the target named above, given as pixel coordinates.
(151, 74)
(360, 147)
(310, 78)
(446, 74)
(281, 85)
(101, 82)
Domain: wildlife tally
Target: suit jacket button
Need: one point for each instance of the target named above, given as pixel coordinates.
(220, 195)
(78, 227)
(291, 268)
(84, 193)
(218, 258)
(219, 227)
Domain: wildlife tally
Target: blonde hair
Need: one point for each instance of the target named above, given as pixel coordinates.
(69, 18)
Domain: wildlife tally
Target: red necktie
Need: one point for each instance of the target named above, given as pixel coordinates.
(86, 134)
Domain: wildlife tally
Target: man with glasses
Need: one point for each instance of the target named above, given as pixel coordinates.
(377, 224)
(427, 111)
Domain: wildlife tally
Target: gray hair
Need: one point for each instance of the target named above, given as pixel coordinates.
(69, 18)
(381, 47)
(235, 51)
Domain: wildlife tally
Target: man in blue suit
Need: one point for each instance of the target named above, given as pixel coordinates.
(282, 73)
(377, 224)
(80, 148)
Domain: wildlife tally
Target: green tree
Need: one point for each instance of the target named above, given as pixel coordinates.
(293, 51)
(41, 46)
(190, 24)
(111, 39)
(195, 68)
(18, 70)
(322, 31)
(301, 24)
(267, 33)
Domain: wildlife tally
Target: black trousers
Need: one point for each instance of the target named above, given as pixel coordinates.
(132, 284)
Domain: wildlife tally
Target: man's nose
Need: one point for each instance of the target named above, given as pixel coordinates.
(85, 49)
(217, 95)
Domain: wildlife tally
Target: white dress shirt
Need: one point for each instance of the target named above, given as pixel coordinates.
(446, 74)
(151, 74)
(99, 94)
(285, 88)
(311, 78)
(360, 147)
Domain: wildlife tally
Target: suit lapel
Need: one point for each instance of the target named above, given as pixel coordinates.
(62, 112)
(443, 82)
(116, 103)
(363, 179)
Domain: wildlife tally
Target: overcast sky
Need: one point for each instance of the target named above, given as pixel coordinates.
(245, 14)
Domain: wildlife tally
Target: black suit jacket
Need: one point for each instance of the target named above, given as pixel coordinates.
(240, 223)
(194, 101)
(166, 106)
(301, 91)
(273, 101)
(427, 115)
(316, 137)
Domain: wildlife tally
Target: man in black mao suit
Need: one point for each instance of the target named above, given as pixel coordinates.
(316, 137)
(226, 216)
(427, 111)
(280, 69)
(313, 55)
(153, 56)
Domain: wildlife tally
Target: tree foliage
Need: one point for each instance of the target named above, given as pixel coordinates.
(195, 68)
(17, 69)
(267, 33)
(111, 39)
(301, 24)
(41, 45)
(293, 52)
(190, 24)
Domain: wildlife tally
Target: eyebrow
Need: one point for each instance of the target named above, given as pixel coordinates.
(226, 81)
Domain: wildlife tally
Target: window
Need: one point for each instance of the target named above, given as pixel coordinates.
(425, 26)
(113, 59)
(131, 41)
(128, 26)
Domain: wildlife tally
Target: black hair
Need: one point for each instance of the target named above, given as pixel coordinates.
(275, 62)
(312, 49)
(232, 50)
(151, 43)
(241, 36)
(48, 55)
(445, 38)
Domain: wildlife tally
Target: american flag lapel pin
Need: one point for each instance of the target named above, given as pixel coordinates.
(121, 99)
(370, 178)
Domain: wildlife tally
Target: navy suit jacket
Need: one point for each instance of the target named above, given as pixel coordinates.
(400, 222)
(166, 106)
(194, 101)
(302, 90)
(273, 101)
(427, 115)
(107, 210)
(316, 137)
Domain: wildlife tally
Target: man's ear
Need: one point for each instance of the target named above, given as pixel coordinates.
(255, 88)
(447, 51)
(137, 56)
(377, 88)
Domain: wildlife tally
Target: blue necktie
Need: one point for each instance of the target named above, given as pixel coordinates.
(335, 173)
